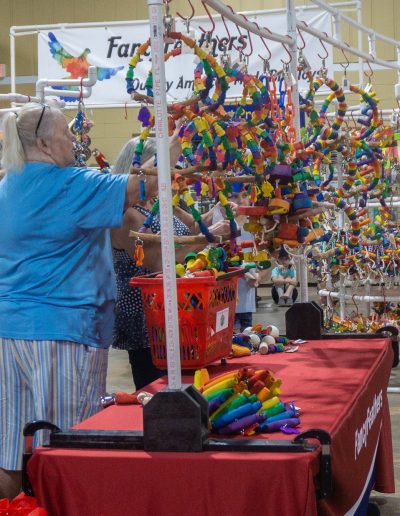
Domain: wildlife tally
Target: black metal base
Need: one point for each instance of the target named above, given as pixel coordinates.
(304, 321)
(176, 421)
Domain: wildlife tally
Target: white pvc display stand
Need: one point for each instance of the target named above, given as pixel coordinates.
(164, 194)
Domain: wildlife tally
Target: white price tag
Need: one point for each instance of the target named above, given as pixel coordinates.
(222, 320)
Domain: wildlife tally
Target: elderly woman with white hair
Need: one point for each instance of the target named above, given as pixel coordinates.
(130, 330)
(57, 284)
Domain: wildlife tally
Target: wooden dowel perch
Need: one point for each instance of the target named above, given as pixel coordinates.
(184, 240)
(139, 97)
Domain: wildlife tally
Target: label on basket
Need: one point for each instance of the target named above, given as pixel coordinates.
(222, 320)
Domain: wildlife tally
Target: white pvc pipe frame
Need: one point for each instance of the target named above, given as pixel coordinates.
(44, 86)
(26, 30)
(17, 97)
(366, 299)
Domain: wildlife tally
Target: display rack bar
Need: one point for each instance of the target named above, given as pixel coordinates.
(339, 44)
(356, 297)
(337, 13)
(165, 196)
(245, 24)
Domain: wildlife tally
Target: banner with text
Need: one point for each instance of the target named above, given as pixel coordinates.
(67, 53)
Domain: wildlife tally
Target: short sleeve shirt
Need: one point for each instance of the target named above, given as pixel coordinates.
(56, 273)
(286, 273)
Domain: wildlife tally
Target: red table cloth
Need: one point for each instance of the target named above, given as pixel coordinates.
(340, 386)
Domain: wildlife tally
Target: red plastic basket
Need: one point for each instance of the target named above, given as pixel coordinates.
(206, 313)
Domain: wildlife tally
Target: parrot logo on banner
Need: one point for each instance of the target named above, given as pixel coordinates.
(76, 66)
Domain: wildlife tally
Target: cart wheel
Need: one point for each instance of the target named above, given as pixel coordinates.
(373, 509)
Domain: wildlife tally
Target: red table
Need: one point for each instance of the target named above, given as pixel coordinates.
(340, 385)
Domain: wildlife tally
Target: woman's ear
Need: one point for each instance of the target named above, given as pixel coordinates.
(43, 146)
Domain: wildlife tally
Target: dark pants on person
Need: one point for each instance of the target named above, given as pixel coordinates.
(143, 369)
(243, 320)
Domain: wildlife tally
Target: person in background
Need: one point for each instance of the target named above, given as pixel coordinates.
(246, 290)
(130, 330)
(284, 280)
(57, 283)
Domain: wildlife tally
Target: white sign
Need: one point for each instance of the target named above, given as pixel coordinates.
(222, 320)
(67, 53)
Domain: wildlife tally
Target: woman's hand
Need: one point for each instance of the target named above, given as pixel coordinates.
(220, 228)
(233, 206)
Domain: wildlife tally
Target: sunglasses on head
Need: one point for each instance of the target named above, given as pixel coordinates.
(40, 119)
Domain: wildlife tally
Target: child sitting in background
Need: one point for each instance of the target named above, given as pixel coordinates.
(283, 277)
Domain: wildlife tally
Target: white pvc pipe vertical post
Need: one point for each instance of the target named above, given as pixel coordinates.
(12, 65)
(291, 31)
(336, 27)
(372, 44)
(165, 196)
(360, 45)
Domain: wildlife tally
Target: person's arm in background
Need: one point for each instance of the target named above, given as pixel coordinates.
(262, 275)
(207, 218)
(133, 220)
(292, 280)
(276, 277)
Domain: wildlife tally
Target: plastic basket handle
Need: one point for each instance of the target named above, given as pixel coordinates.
(238, 272)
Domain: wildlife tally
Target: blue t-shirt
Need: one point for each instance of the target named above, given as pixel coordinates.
(287, 273)
(56, 272)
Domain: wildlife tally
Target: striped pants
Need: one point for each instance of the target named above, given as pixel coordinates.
(58, 381)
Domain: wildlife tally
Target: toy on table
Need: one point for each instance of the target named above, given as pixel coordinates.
(262, 340)
(246, 401)
(125, 398)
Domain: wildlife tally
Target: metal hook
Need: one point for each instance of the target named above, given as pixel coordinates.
(248, 35)
(302, 39)
(263, 42)
(369, 75)
(324, 47)
(211, 19)
(227, 30)
(187, 18)
(347, 62)
(289, 54)
(244, 44)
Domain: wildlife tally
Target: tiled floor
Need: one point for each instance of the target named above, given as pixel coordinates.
(120, 378)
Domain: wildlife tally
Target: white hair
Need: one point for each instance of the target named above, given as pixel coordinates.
(21, 132)
(123, 161)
